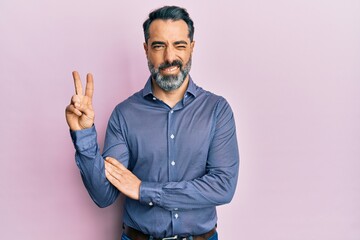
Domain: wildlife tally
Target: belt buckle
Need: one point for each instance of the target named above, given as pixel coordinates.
(169, 238)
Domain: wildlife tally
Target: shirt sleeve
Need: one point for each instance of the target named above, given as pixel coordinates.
(217, 186)
(91, 163)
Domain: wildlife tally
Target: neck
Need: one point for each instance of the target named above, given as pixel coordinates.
(171, 98)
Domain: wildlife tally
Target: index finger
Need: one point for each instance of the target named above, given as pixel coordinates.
(77, 83)
(115, 162)
(89, 90)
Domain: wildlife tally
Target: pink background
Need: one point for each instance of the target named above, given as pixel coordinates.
(290, 70)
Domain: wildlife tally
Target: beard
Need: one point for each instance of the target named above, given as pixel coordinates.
(170, 82)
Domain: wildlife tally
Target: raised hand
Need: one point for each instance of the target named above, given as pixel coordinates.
(79, 113)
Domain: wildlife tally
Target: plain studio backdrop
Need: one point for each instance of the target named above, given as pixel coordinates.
(290, 70)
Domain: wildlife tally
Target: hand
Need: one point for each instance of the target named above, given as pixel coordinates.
(124, 180)
(79, 113)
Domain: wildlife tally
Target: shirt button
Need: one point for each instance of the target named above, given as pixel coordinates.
(150, 204)
(176, 215)
(171, 111)
(173, 163)
(172, 136)
(154, 98)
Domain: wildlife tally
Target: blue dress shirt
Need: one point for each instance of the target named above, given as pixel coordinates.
(186, 157)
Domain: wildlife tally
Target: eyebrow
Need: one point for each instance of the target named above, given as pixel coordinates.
(180, 42)
(157, 43)
(163, 43)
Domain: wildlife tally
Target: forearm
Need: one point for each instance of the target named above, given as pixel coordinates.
(212, 189)
(91, 166)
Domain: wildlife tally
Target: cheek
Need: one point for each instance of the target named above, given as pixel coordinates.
(186, 58)
(155, 59)
(186, 55)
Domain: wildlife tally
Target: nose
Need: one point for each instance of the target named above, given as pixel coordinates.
(169, 54)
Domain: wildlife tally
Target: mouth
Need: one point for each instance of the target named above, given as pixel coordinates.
(170, 70)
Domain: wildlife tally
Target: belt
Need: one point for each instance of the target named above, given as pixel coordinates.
(137, 235)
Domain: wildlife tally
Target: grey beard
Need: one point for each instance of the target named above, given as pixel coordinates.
(169, 82)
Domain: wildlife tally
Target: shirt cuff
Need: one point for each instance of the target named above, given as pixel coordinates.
(150, 193)
(85, 139)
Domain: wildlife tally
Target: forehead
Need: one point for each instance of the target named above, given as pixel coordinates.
(168, 30)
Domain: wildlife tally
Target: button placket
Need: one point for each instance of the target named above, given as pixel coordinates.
(172, 146)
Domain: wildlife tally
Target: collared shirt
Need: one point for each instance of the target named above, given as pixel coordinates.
(186, 157)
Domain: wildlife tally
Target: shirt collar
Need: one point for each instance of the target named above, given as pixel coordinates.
(190, 89)
(147, 89)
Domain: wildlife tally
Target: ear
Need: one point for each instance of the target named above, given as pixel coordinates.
(146, 48)
(192, 45)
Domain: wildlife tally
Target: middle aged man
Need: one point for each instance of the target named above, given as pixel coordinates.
(170, 148)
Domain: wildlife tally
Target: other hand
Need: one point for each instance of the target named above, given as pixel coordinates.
(123, 179)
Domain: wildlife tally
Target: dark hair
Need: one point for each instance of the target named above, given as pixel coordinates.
(169, 13)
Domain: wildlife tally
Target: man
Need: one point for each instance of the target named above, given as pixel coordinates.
(170, 148)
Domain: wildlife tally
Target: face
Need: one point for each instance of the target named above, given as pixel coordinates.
(168, 51)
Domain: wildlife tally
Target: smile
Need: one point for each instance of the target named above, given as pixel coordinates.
(170, 69)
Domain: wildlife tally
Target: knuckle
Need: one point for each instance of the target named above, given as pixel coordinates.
(70, 108)
(75, 98)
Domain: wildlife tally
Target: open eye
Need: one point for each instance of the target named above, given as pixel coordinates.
(158, 46)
